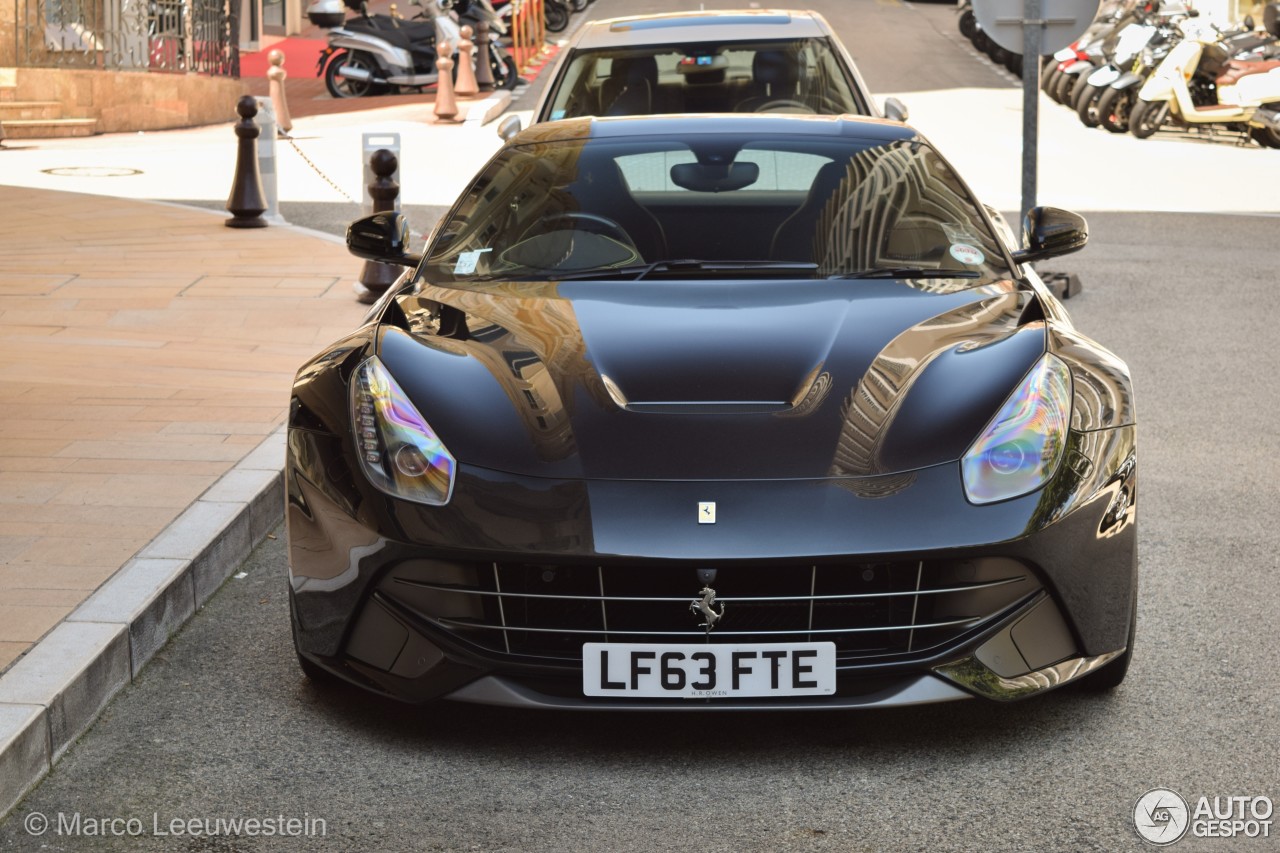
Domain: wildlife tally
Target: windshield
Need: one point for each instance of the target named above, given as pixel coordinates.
(797, 75)
(718, 205)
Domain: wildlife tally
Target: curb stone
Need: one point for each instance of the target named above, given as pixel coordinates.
(55, 692)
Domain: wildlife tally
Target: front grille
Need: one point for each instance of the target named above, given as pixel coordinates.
(870, 610)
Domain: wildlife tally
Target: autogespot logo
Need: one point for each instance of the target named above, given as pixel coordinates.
(1161, 816)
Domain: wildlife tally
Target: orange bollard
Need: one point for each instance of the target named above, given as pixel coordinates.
(446, 104)
(466, 85)
(276, 75)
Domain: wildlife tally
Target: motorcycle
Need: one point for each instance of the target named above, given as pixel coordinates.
(1117, 101)
(1129, 44)
(1189, 89)
(375, 54)
(1062, 74)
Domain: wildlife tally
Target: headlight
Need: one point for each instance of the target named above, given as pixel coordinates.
(399, 452)
(1021, 447)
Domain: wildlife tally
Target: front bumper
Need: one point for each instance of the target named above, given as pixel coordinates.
(1075, 538)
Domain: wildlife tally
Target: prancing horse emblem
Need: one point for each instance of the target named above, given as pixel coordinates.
(706, 606)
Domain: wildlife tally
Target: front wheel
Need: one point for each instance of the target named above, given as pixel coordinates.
(1265, 136)
(1087, 105)
(505, 73)
(1113, 109)
(345, 87)
(1146, 117)
(1112, 675)
(556, 15)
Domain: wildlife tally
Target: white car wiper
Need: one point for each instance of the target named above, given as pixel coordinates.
(908, 272)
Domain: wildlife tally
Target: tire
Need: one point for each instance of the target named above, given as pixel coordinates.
(1112, 675)
(505, 73)
(341, 87)
(1063, 87)
(968, 23)
(1080, 83)
(1265, 136)
(556, 15)
(1113, 109)
(1049, 75)
(1014, 64)
(1087, 105)
(578, 5)
(1146, 117)
(980, 40)
(996, 53)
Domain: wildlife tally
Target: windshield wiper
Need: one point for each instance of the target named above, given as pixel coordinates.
(908, 272)
(638, 271)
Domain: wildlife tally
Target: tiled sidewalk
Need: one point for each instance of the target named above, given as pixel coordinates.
(145, 350)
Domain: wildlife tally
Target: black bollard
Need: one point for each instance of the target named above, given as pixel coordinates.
(484, 74)
(247, 202)
(376, 277)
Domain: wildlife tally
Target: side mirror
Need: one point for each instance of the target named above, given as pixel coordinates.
(382, 237)
(1050, 232)
(509, 127)
(895, 109)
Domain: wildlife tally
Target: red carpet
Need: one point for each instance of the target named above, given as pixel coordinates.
(300, 57)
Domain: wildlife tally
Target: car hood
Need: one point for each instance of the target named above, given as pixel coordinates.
(681, 380)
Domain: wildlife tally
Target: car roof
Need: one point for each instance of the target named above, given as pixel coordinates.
(624, 127)
(686, 27)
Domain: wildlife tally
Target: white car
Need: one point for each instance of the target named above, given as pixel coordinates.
(750, 60)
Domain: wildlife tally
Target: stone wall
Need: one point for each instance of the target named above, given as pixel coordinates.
(133, 100)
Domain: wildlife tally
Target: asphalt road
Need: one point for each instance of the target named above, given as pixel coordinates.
(223, 725)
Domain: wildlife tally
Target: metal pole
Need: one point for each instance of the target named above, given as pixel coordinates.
(1032, 21)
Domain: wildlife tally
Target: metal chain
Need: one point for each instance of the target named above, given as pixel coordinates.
(316, 169)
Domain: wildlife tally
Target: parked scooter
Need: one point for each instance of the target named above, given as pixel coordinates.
(1060, 74)
(1183, 90)
(1127, 47)
(375, 54)
(1116, 103)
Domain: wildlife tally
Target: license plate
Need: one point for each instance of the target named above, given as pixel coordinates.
(703, 671)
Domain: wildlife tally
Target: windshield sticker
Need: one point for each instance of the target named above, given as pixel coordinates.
(967, 254)
(467, 261)
(556, 115)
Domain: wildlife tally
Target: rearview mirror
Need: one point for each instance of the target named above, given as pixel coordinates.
(714, 177)
(895, 109)
(509, 127)
(1050, 232)
(382, 237)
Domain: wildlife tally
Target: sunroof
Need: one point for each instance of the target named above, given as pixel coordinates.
(709, 20)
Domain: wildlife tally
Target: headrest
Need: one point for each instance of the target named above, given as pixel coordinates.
(774, 66)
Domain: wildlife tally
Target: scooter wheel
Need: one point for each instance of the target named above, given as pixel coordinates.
(981, 41)
(506, 75)
(345, 87)
(1113, 109)
(556, 16)
(1049, 82)
(1013, 64)
(1071, 96)
(968, 23)
(1265, 136)
(1087, 105)
(1146, 117)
